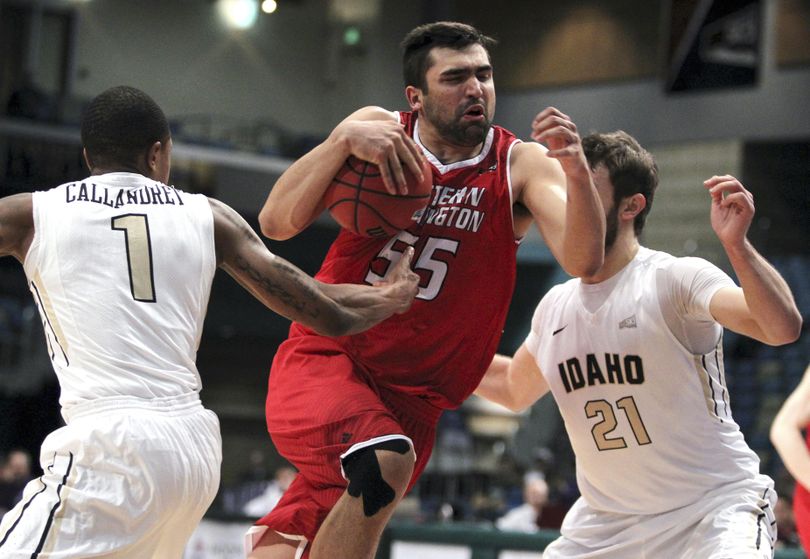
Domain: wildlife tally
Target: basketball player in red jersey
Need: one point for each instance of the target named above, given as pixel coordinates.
(357, 415)
(794, 449)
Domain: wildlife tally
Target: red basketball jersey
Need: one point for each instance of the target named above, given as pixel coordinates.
(801, 508)
(465, 254)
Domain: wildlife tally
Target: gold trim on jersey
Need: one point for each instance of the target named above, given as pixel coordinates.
(707, 382)
(50, 314)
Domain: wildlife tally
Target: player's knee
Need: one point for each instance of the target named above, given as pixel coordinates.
(379, 474)
(397, 467)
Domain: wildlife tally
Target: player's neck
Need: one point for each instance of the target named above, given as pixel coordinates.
(445, 151)
(105, 170)
(619, 255)
(118, 168)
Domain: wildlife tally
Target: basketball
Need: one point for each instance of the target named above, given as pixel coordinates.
(359, 202)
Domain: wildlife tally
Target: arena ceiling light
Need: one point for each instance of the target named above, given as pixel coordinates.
(238, 14)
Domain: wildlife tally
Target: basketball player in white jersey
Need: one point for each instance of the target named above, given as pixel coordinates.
(120, 265)
(633, 357)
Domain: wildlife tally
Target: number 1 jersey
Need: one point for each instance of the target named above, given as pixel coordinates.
(121, 269)
(465, 255)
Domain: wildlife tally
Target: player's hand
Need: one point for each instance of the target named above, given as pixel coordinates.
(402, 282)
(559, 133)
(386, 144)
(732, 208)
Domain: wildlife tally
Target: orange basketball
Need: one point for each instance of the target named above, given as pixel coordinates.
(359, 202)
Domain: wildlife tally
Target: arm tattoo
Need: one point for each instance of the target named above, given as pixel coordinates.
(299, 301)
(242, 226)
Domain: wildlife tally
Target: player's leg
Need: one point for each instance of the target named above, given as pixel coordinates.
(318, 408)
(353, 528)
(66, 511)
(187, 477)
(378, 477)
(273, 545)
(28, 526)
(286, 532)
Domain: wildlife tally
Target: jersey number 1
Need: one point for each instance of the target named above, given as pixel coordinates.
(139, 255)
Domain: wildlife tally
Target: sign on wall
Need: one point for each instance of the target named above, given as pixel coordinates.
(714, 43)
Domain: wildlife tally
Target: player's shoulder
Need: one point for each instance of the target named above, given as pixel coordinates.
(529, 163)
(553, 303)
(507, 145)
(225, 218)
(16, 209)
(649, 259)
(51, 191)
(673, 265)
(218, 207)
(507, 135)
(559, 293)
(524, 150)
(374, 112)
(55, 195)
(684, 274)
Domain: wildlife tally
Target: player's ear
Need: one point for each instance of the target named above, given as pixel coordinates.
(632, 206)
(87, 159)
(414, 96)
(153, 155)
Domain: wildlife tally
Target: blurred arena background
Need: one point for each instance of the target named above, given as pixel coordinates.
(709, 86)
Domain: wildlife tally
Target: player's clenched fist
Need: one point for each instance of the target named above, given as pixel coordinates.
(404, 281)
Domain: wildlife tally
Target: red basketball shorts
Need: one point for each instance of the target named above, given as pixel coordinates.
(319, 405)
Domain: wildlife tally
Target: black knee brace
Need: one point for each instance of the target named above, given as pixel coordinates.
(362, 469)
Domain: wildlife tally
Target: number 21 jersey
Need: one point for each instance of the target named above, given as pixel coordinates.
(635, 365)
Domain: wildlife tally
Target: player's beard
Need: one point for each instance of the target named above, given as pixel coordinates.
(611, 227)
(454, 129)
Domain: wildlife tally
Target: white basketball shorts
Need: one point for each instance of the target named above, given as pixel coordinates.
(736, 522)
(126, 478)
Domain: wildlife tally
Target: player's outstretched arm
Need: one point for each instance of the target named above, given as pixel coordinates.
(16, 225)
(515, 383)
(786, 432)
(763, 307)
(332, 310)
(401, 280)
(372, 134)
(560, 194)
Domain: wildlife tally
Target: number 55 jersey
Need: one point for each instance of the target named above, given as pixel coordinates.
(635, 365)
(121, 269)
(465, 255)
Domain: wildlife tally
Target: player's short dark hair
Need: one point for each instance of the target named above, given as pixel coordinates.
(120, 124)
(418, 43)
(631, 168)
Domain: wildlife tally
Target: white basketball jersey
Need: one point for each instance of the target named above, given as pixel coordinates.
(121, 269)
(649, 420)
